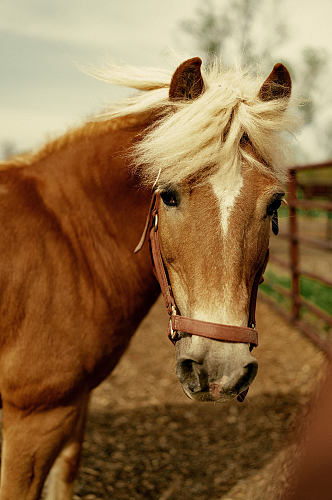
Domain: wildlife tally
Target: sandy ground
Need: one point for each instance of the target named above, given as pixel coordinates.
(146, 440)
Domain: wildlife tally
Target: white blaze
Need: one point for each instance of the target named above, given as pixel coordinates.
(226, 186)
(219, 308)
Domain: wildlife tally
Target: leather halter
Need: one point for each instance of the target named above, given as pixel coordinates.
(179, 324)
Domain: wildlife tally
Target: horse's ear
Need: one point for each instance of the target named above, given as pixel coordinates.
(187, 82)
(277, 85)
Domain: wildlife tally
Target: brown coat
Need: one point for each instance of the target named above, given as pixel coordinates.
(72, 292)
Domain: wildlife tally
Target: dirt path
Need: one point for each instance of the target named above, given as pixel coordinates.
(146, 440)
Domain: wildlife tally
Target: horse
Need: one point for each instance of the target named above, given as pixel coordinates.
(208, 144)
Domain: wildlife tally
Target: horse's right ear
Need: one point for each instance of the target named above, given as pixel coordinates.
(187, 82)
(278, 84)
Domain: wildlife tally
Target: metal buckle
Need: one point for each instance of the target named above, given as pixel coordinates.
(155, 222)
(173, 333)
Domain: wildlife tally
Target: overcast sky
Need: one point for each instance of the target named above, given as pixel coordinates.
(41, 90)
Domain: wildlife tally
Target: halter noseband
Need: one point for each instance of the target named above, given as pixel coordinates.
(179, 324)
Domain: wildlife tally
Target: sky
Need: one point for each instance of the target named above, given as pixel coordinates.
(42, 43)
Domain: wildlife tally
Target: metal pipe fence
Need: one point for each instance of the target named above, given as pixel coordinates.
(295, 240)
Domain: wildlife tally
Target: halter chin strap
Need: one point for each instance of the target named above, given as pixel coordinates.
(178, 324)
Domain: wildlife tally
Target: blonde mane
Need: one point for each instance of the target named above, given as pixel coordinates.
(191, 139)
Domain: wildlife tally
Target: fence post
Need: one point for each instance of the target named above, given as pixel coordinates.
(329, 219)
(294, 245)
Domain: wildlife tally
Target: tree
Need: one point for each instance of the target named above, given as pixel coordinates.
(233, 30)
(313, 64)
(251, 33)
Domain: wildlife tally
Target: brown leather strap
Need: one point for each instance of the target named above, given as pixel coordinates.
(217, 331)
(147, 222)
(254, 290)
(160, 271)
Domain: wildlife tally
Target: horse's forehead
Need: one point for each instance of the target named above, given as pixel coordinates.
(240, 191)
(198, 228)
(224, 201)
(226, 188)
(211, 204)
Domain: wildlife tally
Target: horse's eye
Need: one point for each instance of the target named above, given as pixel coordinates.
(273, 207)
(274, 204)
(170, 197)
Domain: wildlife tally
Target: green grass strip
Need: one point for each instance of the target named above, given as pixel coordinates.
(312, 290)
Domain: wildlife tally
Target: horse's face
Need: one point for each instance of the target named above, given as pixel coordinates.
(214, 239)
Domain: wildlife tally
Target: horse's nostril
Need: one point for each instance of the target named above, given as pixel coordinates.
(191, 373)
(186, 367)
(249, 373)
(251, 369)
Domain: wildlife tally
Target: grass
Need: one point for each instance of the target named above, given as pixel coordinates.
(317, 292)
(312, 290)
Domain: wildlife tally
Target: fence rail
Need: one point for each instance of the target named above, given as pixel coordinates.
(295, 240)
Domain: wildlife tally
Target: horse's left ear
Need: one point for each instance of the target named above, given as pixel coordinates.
(187, 82)
(278, 84)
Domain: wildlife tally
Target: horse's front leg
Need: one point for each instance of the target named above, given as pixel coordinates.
(60, 483)
(31, 443)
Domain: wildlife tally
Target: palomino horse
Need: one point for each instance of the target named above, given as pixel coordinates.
(72, 290)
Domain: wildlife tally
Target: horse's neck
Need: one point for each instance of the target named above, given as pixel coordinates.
(88, 185)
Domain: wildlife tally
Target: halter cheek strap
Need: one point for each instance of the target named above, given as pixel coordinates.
(178, 324)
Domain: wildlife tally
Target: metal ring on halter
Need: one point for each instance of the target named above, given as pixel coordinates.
(171, 331)
(174, 334)
(155, 222)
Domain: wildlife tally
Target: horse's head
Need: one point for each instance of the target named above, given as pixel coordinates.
(214, 240)
(214, 218)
